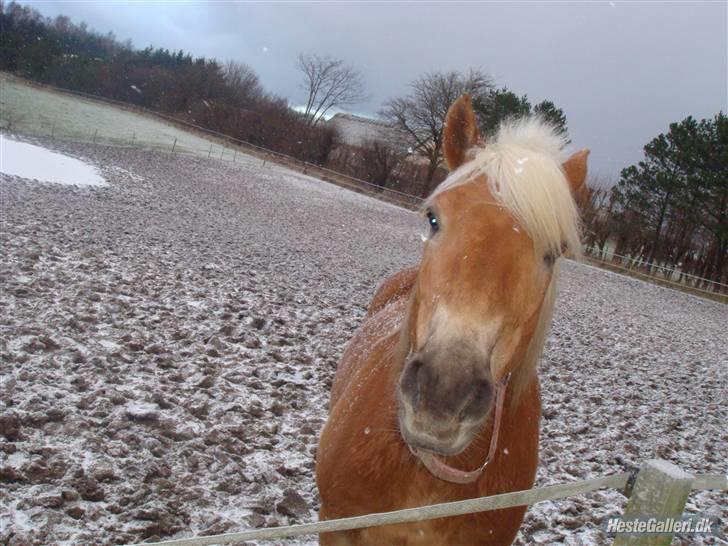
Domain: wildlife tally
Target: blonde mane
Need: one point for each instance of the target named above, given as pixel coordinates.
(523, 170)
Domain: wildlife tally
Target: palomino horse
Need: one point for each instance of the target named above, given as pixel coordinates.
(441, 378)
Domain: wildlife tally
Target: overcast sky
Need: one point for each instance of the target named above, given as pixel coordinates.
(621, 71)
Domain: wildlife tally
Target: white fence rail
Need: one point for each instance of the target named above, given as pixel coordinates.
(660, 490)
(666, 275)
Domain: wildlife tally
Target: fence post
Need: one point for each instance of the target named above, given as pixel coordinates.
(660, 492)
(174, 144)
(236, 155)
(208, 153)
(96, 132)
(222, 152)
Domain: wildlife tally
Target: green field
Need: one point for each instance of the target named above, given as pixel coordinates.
(30, 110)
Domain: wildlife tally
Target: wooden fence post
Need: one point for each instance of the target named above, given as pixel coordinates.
(660, 492)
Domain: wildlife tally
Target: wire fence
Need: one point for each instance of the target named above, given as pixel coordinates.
(660, 273)
(185, 138)
(659, 489)
(196, 141)
(228, 150)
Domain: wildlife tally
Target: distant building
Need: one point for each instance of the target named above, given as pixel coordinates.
(358, 130)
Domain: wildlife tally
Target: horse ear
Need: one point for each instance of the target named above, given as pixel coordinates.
(460, 133)
(575, 171)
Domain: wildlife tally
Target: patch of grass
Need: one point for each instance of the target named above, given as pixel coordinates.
(44, 112)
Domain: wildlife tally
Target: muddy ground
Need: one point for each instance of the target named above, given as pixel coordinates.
(167, 344)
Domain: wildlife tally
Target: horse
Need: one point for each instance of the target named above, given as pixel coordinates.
(436, 397)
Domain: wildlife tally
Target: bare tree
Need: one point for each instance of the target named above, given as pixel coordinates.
(596, 209)
(328, 83)
(243, 83)
(421, 114)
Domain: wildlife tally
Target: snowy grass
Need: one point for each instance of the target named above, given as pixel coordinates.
(44, 112)
(168, 344)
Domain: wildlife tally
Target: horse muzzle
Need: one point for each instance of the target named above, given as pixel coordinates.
(443, 403)
(435, 431)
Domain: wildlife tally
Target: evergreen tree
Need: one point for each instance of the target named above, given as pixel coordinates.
(502, 104)
(555, 116)
(676, 199)
(498, 106)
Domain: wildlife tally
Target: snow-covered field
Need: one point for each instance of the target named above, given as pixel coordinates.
(45, 112)
(168, 341)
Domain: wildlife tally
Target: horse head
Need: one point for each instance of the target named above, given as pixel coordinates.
(495, 229)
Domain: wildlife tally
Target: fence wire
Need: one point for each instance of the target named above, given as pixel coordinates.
(693, 284)
(194, 145)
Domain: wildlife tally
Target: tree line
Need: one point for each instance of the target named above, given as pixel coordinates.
(670, 210)
(225, 97)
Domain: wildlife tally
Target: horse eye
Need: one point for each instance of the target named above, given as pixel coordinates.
(432, 220)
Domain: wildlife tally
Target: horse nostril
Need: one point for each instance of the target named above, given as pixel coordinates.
(409, 381)
(484, 391)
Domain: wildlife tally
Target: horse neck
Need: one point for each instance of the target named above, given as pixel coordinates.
(525, 372)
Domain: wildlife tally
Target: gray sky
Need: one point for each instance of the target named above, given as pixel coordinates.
(621, 71)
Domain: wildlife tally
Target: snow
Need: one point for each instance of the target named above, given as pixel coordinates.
(37, 163)
(168, 343)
